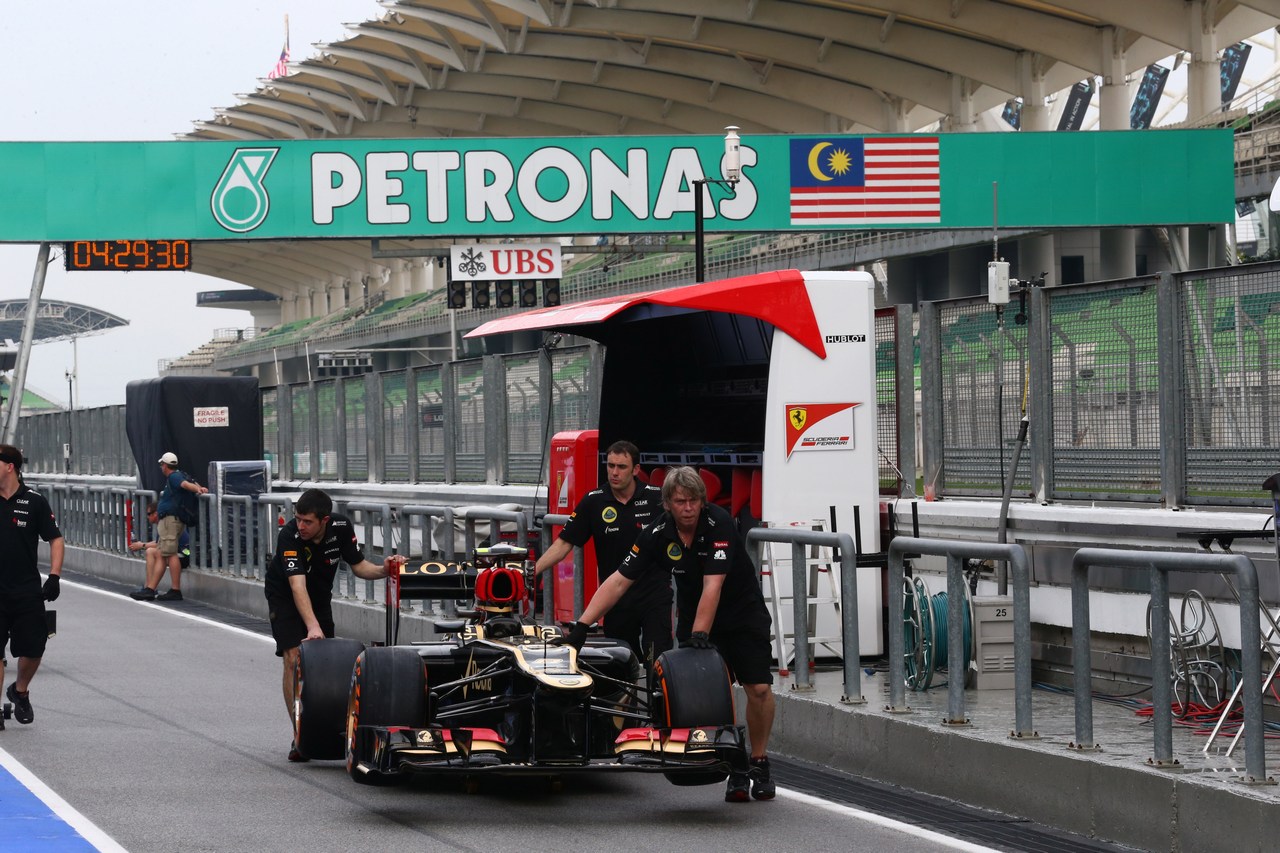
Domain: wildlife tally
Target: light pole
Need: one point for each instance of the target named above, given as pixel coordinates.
(732, 170)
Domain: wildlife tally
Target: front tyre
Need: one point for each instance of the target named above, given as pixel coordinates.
(320, 707)
(693, 691)
(388, 688)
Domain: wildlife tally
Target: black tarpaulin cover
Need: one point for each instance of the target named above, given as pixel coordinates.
(162, 414)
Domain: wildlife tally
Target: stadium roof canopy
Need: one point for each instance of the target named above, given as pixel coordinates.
(444, 68)
(55, 321)
(499, 68)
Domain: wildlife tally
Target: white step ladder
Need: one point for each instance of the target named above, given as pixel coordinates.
(1270, 646)
(824, 605)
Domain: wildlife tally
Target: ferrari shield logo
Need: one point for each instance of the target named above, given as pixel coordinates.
(798, 416)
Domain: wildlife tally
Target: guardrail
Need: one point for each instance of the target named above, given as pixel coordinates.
(956, 551)
(841, 543)
(1159, 564)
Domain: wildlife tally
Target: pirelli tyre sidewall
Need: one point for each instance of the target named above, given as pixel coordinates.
(695, 689)
(388, 688)
(320, 707)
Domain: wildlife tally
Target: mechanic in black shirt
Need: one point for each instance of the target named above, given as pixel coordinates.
(299, 585)
(718, 604)
(613, 517)
(24, 517)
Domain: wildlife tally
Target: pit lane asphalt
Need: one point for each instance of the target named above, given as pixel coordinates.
(167, 732)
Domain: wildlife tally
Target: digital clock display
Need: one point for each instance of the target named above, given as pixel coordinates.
(128, 255)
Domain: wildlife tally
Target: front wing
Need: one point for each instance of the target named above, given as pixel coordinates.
(693, 751)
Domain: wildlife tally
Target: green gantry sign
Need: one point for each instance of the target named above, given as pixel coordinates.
(368, 188)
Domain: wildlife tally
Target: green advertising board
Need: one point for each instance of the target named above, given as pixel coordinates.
(367, 188)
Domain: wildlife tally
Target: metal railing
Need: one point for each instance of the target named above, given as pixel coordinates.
(956, 551)
(1159, 564)
(841, 543)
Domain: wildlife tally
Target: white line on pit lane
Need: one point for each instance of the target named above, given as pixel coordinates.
(887, 822)
(176, 612)
(60, 807)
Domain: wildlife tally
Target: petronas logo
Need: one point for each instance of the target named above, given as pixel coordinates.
(240, 201)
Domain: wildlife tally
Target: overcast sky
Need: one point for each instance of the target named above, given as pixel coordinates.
(124, 70)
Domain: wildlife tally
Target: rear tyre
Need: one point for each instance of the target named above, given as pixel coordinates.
(693, 691)
(388, 688)
(320, 709)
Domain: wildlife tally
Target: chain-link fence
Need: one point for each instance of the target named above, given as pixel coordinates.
(1154, 389)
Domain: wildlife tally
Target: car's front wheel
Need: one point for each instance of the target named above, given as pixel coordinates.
(388, 688)
(319, 713)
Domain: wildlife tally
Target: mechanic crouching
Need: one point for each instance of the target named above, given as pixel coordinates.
(718, 603)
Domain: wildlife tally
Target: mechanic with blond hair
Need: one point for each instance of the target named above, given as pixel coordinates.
(718, 604)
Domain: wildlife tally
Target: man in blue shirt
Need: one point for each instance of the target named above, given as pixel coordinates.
(170, 529)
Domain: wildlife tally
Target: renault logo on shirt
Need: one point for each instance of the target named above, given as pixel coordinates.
(609, 515)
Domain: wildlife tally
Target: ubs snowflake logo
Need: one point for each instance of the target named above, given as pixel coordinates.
(471, 263)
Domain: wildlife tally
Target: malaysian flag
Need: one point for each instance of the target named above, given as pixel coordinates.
(865, 180)
(282, 64)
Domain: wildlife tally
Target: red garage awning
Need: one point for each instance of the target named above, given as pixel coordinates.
(778, 298)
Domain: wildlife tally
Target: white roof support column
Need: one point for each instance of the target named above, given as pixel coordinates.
(1117, 246)
(419, 275)
(1114, 100)
(896, 110)
(1030, 71)
(963, 117)
(398, 284)
(289, 308)
(337, 289)
(1204, 85)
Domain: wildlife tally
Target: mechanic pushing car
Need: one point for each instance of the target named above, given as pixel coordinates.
(299, 583)
(26, 517)
(718, 603)
(612, 518)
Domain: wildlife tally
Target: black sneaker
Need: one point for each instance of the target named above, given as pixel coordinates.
(22, 711)
(171, 595)
(294, 755)
(144, 594)
(762, 787)
(739, 788)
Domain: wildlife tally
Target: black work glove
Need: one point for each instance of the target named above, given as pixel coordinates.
(577, 635)
(51, 588)
(698, 640)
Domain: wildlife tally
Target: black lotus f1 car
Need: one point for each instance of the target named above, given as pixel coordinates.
(501, 695)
